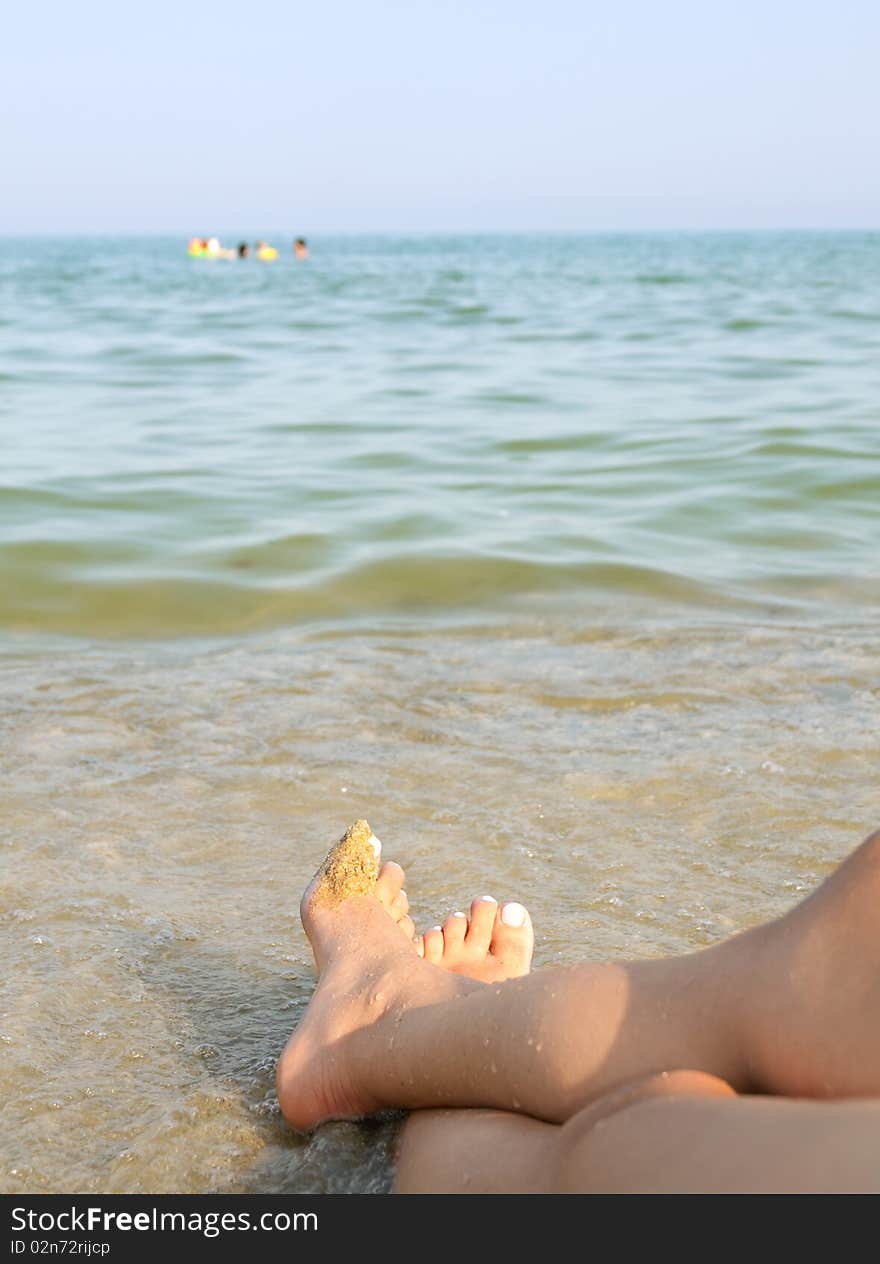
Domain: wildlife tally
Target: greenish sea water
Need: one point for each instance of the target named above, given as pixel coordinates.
(556, 558)
(424, 428)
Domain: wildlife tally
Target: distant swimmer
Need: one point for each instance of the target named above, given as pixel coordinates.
(265, 251)
(243, 250)
(300, 249)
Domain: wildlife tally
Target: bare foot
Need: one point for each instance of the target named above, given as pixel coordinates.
(494, 944)
(369, 970)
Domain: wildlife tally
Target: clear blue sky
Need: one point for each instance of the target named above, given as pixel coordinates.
(439, 114)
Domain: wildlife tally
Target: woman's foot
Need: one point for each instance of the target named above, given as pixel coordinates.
(495, 943)
(369, 971)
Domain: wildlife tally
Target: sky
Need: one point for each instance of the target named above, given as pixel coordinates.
(439, 115)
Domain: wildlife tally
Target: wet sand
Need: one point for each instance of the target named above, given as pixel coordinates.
(645, 789)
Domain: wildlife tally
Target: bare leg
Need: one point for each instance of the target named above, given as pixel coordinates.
(677, 1133)
(475, 1152)
(497, 1152)
(792, 1007)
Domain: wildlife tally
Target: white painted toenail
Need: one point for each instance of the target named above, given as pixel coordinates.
(513, 915)
(456, 914)
(377, 846)
(436, 927)
(489, 899)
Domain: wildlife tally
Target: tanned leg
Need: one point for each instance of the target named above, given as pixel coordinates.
(680, 1132)
(790, 1008)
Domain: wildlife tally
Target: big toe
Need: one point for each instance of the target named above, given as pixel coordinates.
(513, 939)
(350, 897)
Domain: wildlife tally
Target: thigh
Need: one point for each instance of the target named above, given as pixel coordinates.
(665, 1140)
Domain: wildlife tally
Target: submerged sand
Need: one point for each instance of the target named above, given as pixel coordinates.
(644, 790)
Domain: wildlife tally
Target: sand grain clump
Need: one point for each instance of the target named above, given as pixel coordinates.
(351, 868)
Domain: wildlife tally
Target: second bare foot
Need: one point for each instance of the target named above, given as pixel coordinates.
(495, 942)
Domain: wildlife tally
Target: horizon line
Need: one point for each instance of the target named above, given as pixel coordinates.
(443, 232)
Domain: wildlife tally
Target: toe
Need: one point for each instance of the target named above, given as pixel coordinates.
(513, 939)
(389, 883)
(407, 925)
(454, 930)
(432, 945)
(479, 932)
(399, 906)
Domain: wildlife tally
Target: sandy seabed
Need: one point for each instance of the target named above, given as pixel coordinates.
(643, 792)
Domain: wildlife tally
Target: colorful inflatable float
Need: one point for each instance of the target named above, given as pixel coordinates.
(208, 248)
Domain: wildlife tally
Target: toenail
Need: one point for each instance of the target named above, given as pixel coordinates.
(436, 928)
(457, 914)
(513, 915)
(489, 899)
(377, 846)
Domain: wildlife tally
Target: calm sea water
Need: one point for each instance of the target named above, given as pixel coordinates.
(557, 558)
(424, 427)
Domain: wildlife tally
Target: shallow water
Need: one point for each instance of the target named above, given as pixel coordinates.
(555, 558)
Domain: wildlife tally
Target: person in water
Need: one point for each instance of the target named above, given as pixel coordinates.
(265, 251)
(752, 1065)
(300, 249)
(243, 250)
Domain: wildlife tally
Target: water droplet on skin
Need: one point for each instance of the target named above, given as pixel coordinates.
(538, 1048)
(516, 1103)
(485, 1042)
(493, 1068)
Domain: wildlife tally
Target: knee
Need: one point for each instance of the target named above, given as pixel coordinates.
(677, 1083)
(580, 1142)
